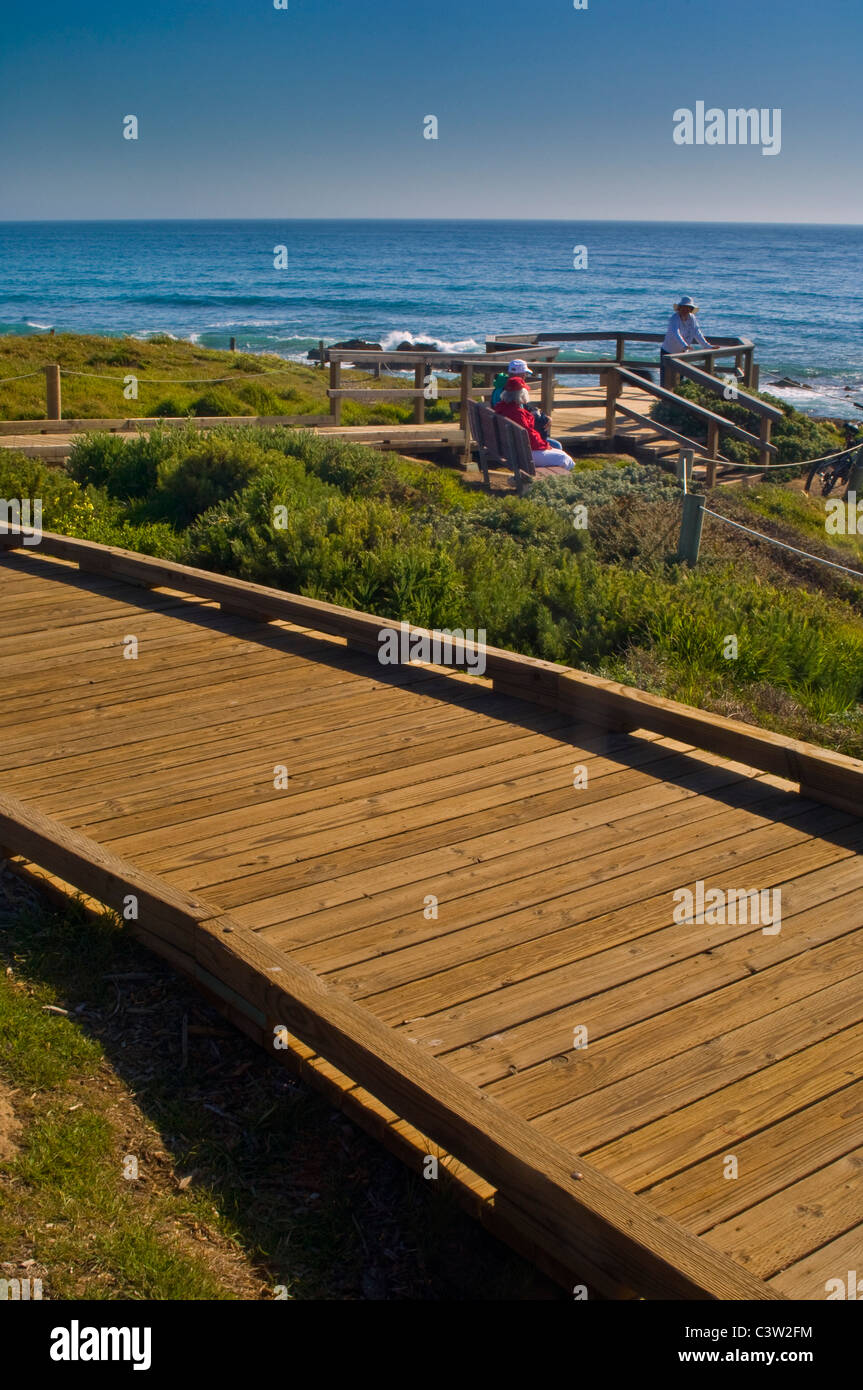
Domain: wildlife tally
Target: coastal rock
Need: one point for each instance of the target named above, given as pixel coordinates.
(789, 381)
(360, 344)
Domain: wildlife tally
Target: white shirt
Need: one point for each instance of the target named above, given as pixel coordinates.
(682, 333)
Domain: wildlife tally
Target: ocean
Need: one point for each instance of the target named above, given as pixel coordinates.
(792, 289)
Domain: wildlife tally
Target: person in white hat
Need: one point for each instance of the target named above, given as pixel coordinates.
(514, 405)
(518, 367)
(683, 332)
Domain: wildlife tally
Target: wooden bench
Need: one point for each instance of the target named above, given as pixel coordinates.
(501, 444)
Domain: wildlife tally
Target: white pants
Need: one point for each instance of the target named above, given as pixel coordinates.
(555, 457)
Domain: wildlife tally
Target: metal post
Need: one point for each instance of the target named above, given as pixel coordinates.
(690, 528)
(233, 345)
(685, 461)
(53, 397)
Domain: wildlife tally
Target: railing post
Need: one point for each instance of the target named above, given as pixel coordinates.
(612, 391)
(764, 437)
(690, 528)
(713, 451)
(464, 416)
(335, 383)
(620, 346)
(420, 400)
(747, 368)
(546, 399)
(53, 395)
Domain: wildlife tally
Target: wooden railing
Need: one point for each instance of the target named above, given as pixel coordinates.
(541, 351)
(716, 424)
(740, 349)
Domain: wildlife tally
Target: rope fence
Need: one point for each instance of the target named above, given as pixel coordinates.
(174, 380)
(695, 510)
(783, 545)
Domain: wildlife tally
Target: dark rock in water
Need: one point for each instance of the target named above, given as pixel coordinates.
(789, 381)
(416, 347)
(359, 344)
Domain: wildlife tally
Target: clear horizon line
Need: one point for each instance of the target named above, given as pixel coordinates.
(526, 221)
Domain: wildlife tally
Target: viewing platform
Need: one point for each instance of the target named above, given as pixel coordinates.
(611, 415)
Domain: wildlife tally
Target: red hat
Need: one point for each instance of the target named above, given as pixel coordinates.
(516, 383)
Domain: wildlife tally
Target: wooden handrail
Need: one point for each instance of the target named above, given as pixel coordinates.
(702, 378)
(701, 411)
(410, 359)
(587, 335)
(701, 449)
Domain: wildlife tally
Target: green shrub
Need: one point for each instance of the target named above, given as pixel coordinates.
(66, 506)
(126, 468)
(219, 400)
(207, 470)
(172, 407)
(263, 400)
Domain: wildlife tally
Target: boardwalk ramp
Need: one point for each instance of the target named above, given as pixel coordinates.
(506, 923)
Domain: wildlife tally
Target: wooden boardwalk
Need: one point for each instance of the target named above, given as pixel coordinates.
(463, 909)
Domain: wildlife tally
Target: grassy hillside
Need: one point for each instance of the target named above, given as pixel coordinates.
(404, 540)
(176, 378)
(244, 1184)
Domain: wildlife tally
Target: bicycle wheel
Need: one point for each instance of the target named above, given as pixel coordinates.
(821, 472)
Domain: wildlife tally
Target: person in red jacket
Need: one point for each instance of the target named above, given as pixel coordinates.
(513, 399)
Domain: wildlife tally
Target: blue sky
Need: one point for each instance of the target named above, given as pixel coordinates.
(317, 111)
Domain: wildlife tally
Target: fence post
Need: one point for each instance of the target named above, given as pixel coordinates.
(690, 528)
(321, 352)
(464, 417)
(612, 391)
(420, 400)
(546, 395)
(747, 368)
(764, 436)
(53, 395)
(713, 451)
(620, 347)
(335, 383)
(233, 345)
